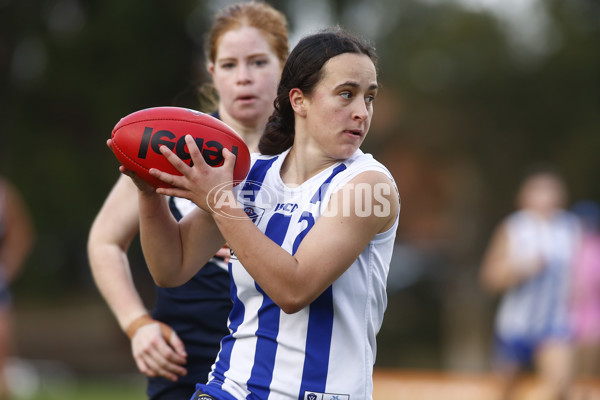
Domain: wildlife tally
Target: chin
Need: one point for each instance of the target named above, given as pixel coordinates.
(248, 117)
(345, 153)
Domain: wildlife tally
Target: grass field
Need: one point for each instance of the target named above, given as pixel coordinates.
(50, 380)
(389, 385)
(92, 390)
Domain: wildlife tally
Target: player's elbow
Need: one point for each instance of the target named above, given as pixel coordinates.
(165, 277)
(164, 282)
(291, 303)
(291, 307)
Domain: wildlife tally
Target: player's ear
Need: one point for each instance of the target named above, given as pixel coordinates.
(210, 67)
(298, 102)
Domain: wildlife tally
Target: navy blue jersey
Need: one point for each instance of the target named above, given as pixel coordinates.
(198, 312)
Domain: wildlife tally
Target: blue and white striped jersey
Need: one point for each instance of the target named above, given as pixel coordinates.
(327, 350)
(538, 307)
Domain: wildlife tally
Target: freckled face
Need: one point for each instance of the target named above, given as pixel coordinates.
(246, 73)
(340, 109)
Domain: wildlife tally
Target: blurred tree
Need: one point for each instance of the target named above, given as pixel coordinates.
(472, 112)
(72, 69)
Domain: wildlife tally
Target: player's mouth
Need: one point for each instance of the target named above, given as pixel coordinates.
(246, 98)
(354, 132)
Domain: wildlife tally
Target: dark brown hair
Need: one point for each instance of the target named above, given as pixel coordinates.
(303, 70)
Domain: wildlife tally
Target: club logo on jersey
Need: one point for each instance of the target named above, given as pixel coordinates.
(254, 213)
(325, 396)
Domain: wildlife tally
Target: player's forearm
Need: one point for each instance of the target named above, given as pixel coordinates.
(274, 269)
(112, 275)
(160, 238)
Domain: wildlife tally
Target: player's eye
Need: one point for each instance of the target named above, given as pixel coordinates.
(261, 62)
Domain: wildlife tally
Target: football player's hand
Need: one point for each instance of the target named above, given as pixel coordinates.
(157, 349)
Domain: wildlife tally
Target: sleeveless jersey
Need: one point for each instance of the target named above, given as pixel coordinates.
(538, 307)
(325, 351)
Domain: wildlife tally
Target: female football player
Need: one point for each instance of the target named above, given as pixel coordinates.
(311, 233)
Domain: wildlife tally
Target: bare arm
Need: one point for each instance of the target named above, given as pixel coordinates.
(499, 271)
(330, 247)
(112, 231)
(175, 251)
(19, 233)
(156, 348)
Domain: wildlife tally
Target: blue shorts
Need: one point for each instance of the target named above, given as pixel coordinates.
(520, 351)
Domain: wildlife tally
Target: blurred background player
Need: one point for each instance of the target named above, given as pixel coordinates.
(16, 239)
(176, 346)
(529, 261)
(585, 305)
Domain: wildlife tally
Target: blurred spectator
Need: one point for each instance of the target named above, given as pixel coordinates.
(529, 261)
(586, 291)
(16, 237)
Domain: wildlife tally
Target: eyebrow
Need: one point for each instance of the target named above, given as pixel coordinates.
(356, 85)
(251, 56)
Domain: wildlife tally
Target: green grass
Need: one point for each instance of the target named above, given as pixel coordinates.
(90, 389)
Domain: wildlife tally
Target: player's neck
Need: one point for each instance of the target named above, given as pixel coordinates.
(302, 163)
(250, 133)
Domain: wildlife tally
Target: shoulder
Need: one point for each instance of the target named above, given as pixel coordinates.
(360, 160)
(363, 168)
(369, 188)
(365, 165)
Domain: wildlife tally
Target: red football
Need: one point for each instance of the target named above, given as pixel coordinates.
(136, 140)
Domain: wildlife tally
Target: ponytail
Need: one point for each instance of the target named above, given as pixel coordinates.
(279, 132)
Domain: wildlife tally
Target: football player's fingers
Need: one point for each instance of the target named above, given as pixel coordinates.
(165, 354)
(161, 366)
(229, 159)
(177, 345)
(195, 154)
(143, 367)
(174, 159)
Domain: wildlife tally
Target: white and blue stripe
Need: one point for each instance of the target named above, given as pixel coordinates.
(328, 348)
